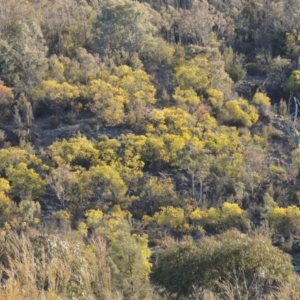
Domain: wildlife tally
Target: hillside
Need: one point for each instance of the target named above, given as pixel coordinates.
(149, 149)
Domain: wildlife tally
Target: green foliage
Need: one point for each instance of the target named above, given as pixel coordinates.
(6, 97)
(193, 74)
(230, 215)
(278, 71)
(241, 112)
(278, 173)
(106, 184)
(215, 98)
(173, 145)
(154, 150)
(108, 150)
(23, 56)
(82, 229)
(56, 69)
(223, 138)
(172, 120)
(5, 202)
(130, 163)
(155, 52)
(88, 65)
(157, 193)
(93, 217)
(293, 82)
(63, 215)
(55, 94)
(25, 183)
(140, 91)
(243, 263)
(234, 64)
(263, 103)
(261, 99)
(128, 32)
(228, 167)
(176, 161)
(76, 151)
(186, 99)
(4, 186)
(14, 155)
(107, 102)
(170, 217)
(118, 26)
(129, 91)
(129, 253)
(29, 211)
(285, 220)
(215, 141)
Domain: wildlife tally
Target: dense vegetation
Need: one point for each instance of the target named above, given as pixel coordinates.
(149, 149)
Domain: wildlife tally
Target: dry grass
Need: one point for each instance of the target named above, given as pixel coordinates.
(52, 267)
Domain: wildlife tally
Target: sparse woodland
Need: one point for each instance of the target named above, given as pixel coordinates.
(149, 149)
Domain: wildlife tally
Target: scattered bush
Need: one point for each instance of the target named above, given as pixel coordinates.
(285, 221)
(241, 112)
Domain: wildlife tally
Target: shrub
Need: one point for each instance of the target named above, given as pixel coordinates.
(278, 173)
(248, 265)
(261, 99)
(230, 215)
(234, 64)
(25, 183)
(241, 112)
(285, 221)
(215, 98)
(169, 216)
